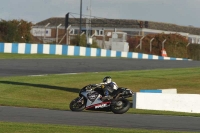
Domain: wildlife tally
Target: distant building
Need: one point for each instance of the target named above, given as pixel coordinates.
(53, 30)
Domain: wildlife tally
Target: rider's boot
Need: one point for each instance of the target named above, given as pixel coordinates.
(106, 98)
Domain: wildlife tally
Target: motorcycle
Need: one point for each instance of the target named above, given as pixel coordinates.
(91, 97)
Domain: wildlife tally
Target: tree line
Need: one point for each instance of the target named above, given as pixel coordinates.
(176, 45)
(15, 31)
(19, 31)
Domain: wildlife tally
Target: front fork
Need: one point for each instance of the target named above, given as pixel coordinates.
(80, 100)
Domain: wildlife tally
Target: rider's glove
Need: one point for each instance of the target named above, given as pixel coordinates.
(102, 86)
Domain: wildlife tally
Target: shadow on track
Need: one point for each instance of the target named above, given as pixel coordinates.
(75, 90)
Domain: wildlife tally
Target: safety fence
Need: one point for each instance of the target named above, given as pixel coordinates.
(56, 49)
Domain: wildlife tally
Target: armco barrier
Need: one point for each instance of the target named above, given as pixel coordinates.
(56, 49)
(189, 103)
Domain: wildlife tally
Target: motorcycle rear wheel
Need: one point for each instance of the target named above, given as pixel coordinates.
(120, 106)
(77, 105)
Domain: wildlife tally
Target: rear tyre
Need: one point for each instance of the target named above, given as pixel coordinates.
(120, 106)
(77, 105)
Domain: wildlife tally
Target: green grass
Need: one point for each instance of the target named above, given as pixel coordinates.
(56, 92)
(28, 56)
(43, 56)
(6, 127)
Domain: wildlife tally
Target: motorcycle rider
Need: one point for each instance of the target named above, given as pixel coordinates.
(108, 87)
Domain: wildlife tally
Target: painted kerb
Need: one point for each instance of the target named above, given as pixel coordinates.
(56, 49)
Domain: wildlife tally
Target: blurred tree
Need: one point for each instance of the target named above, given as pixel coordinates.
(79, 40)
(15, 31)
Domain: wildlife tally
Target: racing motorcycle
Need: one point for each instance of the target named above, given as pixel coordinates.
(91, 97)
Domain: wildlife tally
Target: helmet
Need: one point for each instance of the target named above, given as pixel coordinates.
(107, 79)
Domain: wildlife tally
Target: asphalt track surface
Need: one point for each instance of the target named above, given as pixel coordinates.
(18, 67)
(101, 119)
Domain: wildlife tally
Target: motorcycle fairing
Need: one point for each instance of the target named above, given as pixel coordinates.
(93, 98)
(99, 105)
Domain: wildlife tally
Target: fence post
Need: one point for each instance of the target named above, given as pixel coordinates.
(151, 44)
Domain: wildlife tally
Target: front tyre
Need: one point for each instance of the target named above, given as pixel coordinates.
(120, 106)
(77, 104)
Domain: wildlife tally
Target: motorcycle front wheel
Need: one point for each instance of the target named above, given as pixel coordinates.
(77, 104)
(120, 106)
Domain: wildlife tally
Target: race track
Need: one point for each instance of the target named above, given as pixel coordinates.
(101, 119)
(92, 118)
(15, 67)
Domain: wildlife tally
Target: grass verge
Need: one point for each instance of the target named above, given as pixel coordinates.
(37, 56)
(57, 91)
(46, 128)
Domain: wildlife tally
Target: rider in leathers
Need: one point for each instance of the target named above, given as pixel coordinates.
(108, 87)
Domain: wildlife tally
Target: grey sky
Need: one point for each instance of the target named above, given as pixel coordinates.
(181, 12)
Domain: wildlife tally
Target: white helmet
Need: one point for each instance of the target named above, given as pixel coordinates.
(107, 79)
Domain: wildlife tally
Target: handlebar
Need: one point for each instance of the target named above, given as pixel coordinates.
(92, 86)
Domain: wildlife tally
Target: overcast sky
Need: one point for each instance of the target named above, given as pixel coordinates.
(180, 12)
